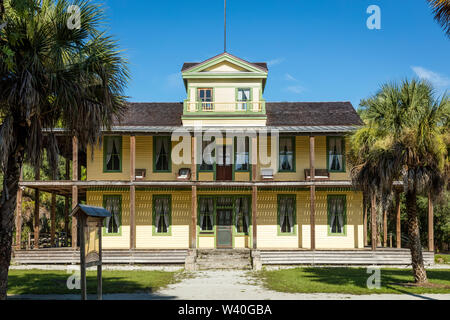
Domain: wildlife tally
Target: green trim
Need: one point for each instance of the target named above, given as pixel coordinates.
(293, 154)
(105, 197)
(105, 143)
(294, 229)
(169, 152)
(248, 102)
(329, 197)
(169, 230)
(328, 152)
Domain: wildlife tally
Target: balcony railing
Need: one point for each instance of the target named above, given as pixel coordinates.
(238, 106)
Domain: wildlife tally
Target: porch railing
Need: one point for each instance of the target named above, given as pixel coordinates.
(237, 106)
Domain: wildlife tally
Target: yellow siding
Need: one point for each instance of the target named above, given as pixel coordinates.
(268, 236)
(206, 176)
(241, 176)
(181, 215)
(206, 242)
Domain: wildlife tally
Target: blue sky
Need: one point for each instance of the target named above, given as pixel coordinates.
(316, 50)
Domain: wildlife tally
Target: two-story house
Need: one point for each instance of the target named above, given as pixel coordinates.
(243, 178)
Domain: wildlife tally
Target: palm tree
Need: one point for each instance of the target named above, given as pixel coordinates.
(51, 76)
(403, 140)
(441, 9)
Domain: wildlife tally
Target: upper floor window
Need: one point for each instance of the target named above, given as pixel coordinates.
(286, 154)
(112, 154)
(241, 149)
(205, 96)
(336, 154)
(161, 154)
(243, 95)
(208, 155)
(286, 214)
(336, 214)
(113, 203)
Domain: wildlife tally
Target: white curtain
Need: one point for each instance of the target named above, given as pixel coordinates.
(340, 210)
(158, 149)
(158, 210)
(290, 212)
(332, 212)
(282, 213)
(335, 154)
(166, 213)
(202, 212)
(109, 149)
(246, 214)
(211, 211)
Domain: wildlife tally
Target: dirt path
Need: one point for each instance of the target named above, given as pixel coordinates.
(234, 285)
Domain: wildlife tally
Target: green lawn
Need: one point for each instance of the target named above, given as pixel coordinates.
(55, 282)
(442, 258)
(348, 280)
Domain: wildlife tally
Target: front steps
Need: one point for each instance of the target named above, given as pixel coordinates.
(223, 259)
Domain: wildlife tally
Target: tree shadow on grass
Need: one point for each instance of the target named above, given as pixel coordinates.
(391, 279)
(41, 283)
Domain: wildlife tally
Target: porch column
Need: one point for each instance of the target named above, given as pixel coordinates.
(430, 224)
(399, 226)
(132, 192)
(194, 217)
(66, 201)
(37, 176)
(19, 219)
(53, 220)
(74, 189)
(312, 173)
(373, 217)
(385, 229)
(193, 242)
(254, 214)
(254, 190)
(365, 221)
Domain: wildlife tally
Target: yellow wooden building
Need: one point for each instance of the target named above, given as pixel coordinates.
(252, 190)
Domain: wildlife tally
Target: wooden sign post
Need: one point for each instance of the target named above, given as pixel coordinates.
(90, 219)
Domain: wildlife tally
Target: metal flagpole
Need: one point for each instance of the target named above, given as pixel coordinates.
(225, 27)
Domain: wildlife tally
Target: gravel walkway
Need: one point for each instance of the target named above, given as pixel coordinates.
(233, 285)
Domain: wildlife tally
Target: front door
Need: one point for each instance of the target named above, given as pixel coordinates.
(224, 169)
(224, 232)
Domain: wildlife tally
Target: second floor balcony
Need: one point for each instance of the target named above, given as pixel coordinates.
(224, 107)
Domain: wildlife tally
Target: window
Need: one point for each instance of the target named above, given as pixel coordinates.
(286, 214)
(242, 210)
(286, 155)
(206, 210)
(113, 203)
(241, 158)
(336, 214)
(208, 155)
(112, 154)
(161, 154)
(243, 95)
(335, 150)
(161, 214)
(205, 97)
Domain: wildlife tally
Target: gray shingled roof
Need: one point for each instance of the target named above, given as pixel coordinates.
(168, 114)
(188, 65)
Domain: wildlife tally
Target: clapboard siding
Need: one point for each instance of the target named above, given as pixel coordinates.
(342, 257)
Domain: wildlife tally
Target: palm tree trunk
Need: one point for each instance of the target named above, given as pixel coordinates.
(8, 199)
(7, 207)
(420, 275)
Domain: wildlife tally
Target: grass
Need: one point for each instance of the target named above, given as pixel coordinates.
(349, 281)
(442, 258)
(55, 282)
